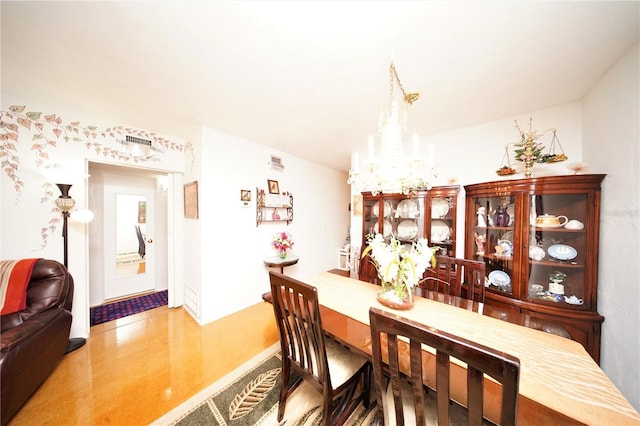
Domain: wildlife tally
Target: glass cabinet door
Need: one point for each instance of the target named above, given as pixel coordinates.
(370, 217)
(557, 249)
(443, 227)
(404, 218)
(493, 240)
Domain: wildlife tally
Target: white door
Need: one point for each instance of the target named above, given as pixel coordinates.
(128, 236)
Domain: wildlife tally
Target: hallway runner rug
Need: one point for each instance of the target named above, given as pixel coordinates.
(124, 308)
(249, 396)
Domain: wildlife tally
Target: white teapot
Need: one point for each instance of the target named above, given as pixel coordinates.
(573, 300)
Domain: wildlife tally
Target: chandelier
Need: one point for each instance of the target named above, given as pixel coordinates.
(388, 169)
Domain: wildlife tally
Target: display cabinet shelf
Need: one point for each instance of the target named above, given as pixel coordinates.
(527, 231)
(276, 208)
(426, 213)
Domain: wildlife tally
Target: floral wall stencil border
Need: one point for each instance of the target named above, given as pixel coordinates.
(48, 130)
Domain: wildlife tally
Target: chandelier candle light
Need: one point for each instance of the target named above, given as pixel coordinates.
(400, 268)
(282, 242)
(391, 171)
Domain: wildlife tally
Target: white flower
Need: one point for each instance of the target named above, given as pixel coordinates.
(398, 265)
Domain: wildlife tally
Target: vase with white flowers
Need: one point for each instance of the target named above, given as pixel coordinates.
(400, 268)
(282, 242)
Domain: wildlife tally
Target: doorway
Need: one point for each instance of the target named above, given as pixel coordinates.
(128, 240)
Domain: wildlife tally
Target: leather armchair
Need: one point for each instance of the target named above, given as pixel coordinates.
(34, 340)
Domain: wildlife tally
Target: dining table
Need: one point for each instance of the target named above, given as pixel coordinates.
(559, 381)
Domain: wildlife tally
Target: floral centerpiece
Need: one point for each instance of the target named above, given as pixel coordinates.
(400, 268)
(282, 242)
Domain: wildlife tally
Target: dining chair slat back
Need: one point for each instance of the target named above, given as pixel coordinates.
(367, 270)
(327, 366)
(389, 336)
(455, 277)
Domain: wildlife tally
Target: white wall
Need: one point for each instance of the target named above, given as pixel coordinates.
(232, 247)
(611, 143)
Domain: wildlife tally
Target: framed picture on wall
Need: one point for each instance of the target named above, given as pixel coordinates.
(191, 200)
(245, 195)
(274, 188)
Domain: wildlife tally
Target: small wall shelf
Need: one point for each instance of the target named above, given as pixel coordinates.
(273, 207)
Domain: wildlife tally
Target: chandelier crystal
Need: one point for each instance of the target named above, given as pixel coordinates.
(389, 170)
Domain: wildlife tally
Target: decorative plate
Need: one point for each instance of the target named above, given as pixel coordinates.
(386, 231)
(499, 278)
(407, 209)
(508, 236)
(407, 229)
(387, 208)
(562, 252)
(375, 211)
(536, 253)
(440, 231)
(439, 208)
(506, 247)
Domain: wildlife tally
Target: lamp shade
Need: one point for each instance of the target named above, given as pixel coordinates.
(82, 216)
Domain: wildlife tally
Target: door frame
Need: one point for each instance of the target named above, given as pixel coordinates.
(175, 233)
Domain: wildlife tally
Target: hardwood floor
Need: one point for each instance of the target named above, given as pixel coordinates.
(135, 369)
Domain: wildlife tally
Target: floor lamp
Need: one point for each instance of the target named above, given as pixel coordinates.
(65, 203)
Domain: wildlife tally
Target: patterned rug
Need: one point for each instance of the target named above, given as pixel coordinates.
(123, 308)
(249, 396)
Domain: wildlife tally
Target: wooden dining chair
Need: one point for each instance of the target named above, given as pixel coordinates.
(340, 376)
(456, 277)
(480, 360)
(367, 270)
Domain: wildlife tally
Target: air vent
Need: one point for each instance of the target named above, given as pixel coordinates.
(138, 148)
(134, 139)
(276, 163)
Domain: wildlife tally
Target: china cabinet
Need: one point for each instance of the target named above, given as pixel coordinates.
(425, 213)
(274, 207)
(539, 241)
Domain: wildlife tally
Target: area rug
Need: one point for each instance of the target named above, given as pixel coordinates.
(249, 396)
(124, 308)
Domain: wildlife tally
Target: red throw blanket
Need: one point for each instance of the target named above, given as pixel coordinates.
(14, 278)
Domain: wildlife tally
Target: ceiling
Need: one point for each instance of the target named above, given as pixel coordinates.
(305, 77)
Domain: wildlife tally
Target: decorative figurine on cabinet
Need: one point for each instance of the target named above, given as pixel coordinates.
(480, 240)
(480, 213)
(501, 217)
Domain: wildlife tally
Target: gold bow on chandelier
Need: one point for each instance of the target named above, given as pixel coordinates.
(391, 171)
